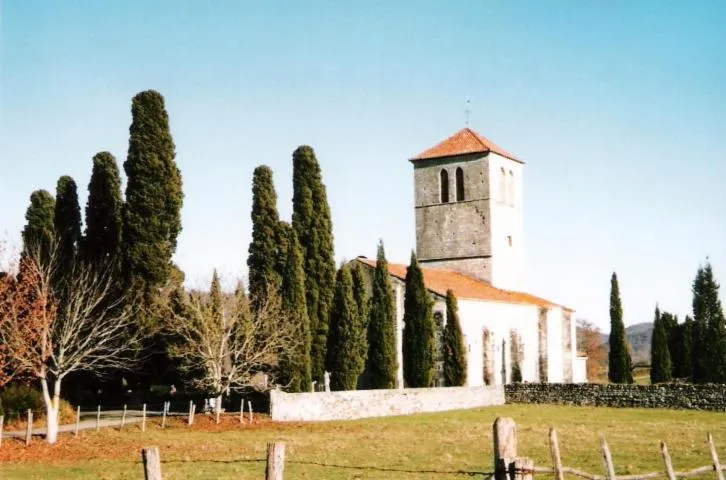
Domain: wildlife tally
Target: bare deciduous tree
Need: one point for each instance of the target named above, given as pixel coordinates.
(50, 332)
(590, 342)
(224, 345)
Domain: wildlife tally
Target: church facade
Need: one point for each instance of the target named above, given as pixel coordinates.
(469, 238)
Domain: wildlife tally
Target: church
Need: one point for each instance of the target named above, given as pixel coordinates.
(469, 238)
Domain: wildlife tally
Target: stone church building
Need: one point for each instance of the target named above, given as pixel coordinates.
(469, 238)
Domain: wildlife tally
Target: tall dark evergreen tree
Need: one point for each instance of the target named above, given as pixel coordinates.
(152, 213)
(418, 330)
(675, 341)
(347, 341)
(709, 348)
(39, 231)
(312, 222)
(67, 221)
(359, 292)
(297, 366)
(686, 365)
(264, 251)
(103, 211)
(660, 358)
(455, 363)
(619, 361)
(381, 363)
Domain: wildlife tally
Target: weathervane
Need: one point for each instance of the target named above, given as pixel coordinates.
(467, 111)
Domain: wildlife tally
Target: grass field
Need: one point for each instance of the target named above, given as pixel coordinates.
(406, 446)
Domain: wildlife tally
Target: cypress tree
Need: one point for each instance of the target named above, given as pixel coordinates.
(660, 359)
(418, 330)
(296, 368)
(347, 341)
(67, 220)
(359, 293)
(674, 339)
(264, 253)
(215, 298)
(151, 215)
(103, 211)
(382, 364)
(619, 362)
(39, 231)
(710, 338)
(455, 362)
(312, 222)
(686, 366)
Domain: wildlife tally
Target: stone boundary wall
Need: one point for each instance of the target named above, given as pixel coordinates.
(671, 395)
(350, 405)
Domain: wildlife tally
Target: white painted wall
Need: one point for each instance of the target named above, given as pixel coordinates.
(500, 319)
(579, 370)
(506, 220)
(349, 405)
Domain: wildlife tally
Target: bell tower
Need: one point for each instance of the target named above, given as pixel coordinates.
(468, 202)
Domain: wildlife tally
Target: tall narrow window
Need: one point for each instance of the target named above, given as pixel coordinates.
(444, 177)
(503, 186)
(459, 184)
(510, 188)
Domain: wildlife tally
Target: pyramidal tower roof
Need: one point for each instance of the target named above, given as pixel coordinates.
(463, 142)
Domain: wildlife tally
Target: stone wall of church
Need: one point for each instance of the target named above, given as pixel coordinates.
(680, 396)
(455, 234)
(350, 405)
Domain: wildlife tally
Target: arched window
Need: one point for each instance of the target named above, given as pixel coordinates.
(444, 178)
(459, 184)
(503, 186)
(510, 188)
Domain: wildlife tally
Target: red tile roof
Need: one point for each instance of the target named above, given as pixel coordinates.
(439, 280)
(462, 142)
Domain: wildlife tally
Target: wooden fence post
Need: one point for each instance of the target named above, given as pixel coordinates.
(143, 418)
(163, 417)
(667, 460)
(2, 420)
(123, 417)
(249, 404)
(191, 408)
(714, 458)
(522, 468)
(608, 459)
(98, 418)
(242, 411)
(505, 445)
(29, 428)
(275, 461)
(152, 463)
(556, 459)
(78, 420)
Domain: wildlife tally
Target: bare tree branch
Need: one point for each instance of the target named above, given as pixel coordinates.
(223, 347)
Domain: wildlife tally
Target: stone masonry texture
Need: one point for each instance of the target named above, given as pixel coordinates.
(457, 234)
(349, 405)
(670, 395)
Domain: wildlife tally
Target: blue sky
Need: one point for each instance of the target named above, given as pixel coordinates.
(618, 108)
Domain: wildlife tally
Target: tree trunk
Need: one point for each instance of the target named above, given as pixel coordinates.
(218, 404)
(52, 406)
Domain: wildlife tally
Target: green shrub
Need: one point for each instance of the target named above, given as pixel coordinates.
(15, 400)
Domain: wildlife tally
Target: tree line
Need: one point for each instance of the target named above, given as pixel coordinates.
(693, 350)
(108, 298)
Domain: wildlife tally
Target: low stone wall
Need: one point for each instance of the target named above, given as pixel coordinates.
(301, 407)
(674, 395)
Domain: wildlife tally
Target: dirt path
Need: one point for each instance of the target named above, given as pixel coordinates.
(110, 418)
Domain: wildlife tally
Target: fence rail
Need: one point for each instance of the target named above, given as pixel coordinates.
(507, 464)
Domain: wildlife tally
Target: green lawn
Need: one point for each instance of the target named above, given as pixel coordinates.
(453, 441)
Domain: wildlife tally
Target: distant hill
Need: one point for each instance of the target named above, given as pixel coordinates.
(639, 336)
